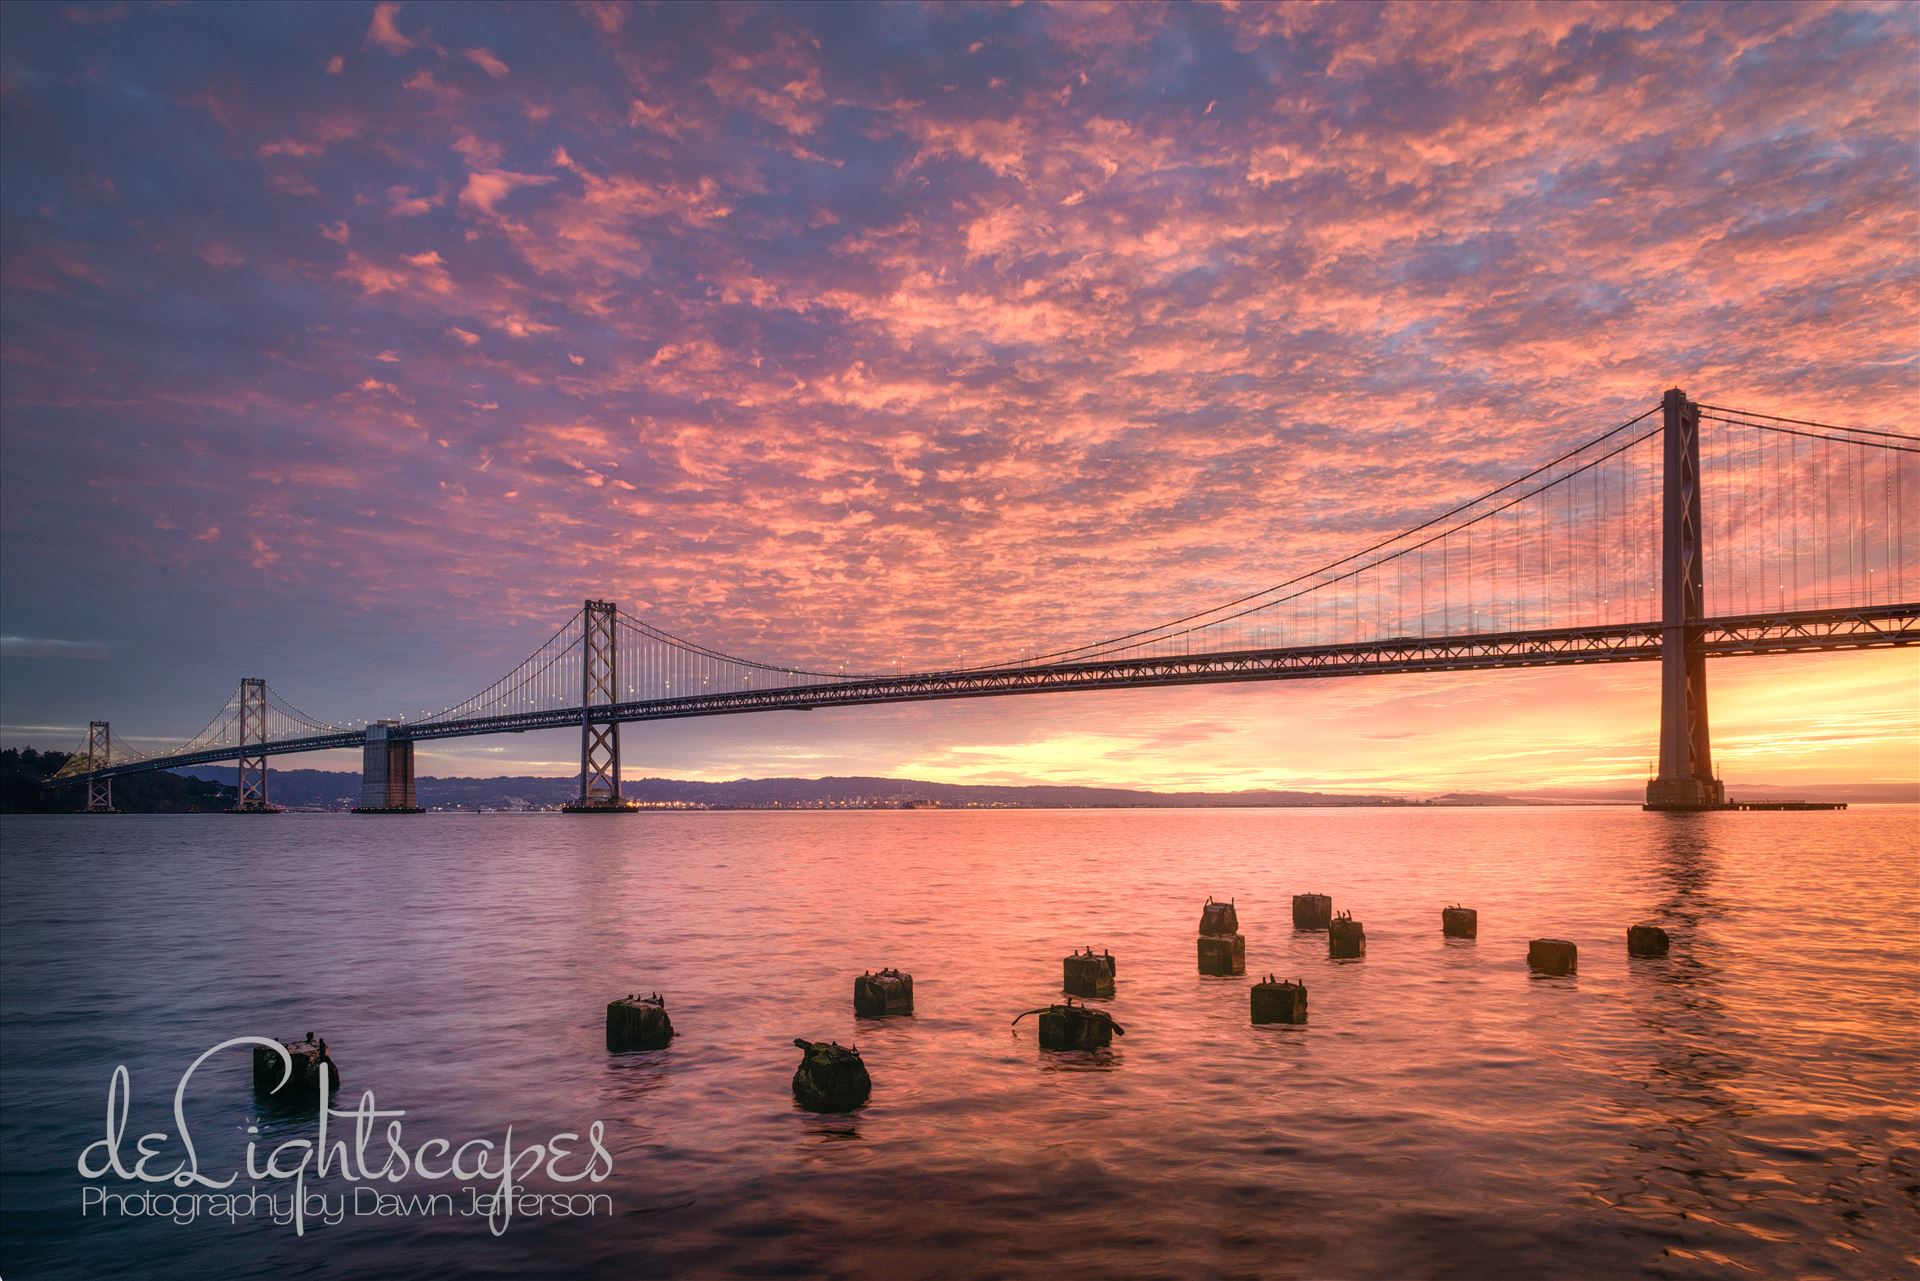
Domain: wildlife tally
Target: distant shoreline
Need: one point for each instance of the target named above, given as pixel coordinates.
(506, 811)
(210, 789)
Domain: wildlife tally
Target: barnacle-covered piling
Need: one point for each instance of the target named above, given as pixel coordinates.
(831, 1077)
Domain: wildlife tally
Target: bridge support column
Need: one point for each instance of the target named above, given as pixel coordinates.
(386, 773)
(1685, 780)
(99, 756)
(599, 690)
(252, 797)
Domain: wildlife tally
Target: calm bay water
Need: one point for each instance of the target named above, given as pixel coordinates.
(1743, 1108)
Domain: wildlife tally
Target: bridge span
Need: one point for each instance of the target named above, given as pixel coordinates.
(1615, 526)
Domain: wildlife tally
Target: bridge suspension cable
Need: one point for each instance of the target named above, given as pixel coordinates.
(1746, 415)
(1565, 544)
(285, 715)
(547, 678)
(1258, 624)
(651, 664)
(1804, 514)
(224, 729)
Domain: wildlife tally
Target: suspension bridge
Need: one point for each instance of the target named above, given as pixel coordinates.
(1599, 555)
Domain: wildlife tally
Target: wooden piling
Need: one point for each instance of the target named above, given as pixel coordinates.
(888, 992)
(1458, 922)
(1088, 974)
(1278, 1001)
(1553, 956)
(1312, 911)
(1346, 938)
(638, 1023)
(1219, 919)
(1646, 941)
(1074, 1027)
(1223, 951)
(1223, 957)
(308, 1053)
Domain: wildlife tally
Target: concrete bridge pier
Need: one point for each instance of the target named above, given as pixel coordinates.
(386, 773)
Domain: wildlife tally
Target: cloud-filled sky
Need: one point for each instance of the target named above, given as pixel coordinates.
(354, 345)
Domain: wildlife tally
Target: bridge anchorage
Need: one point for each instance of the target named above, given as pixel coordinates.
(1596, 556)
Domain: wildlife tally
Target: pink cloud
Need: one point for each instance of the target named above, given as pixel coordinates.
(608, 15)
(382, 31)
(521, 327)
(403, 203)
(486, 188)
(484, 59)
(292, 147)
(222, 256)
(424, 81)
(421, 274)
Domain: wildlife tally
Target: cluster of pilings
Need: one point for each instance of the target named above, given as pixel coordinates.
(833, 1078)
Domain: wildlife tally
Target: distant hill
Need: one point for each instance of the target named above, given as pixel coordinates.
(211, 788)
(331, 789)
(327, 789)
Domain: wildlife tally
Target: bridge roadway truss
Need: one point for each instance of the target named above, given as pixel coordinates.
(1789, 632)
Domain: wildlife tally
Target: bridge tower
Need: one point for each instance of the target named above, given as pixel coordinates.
(1686, 780)
(99, 756)
(599, 688)
(253, 733)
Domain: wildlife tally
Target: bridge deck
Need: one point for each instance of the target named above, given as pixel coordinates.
(1779, 633)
